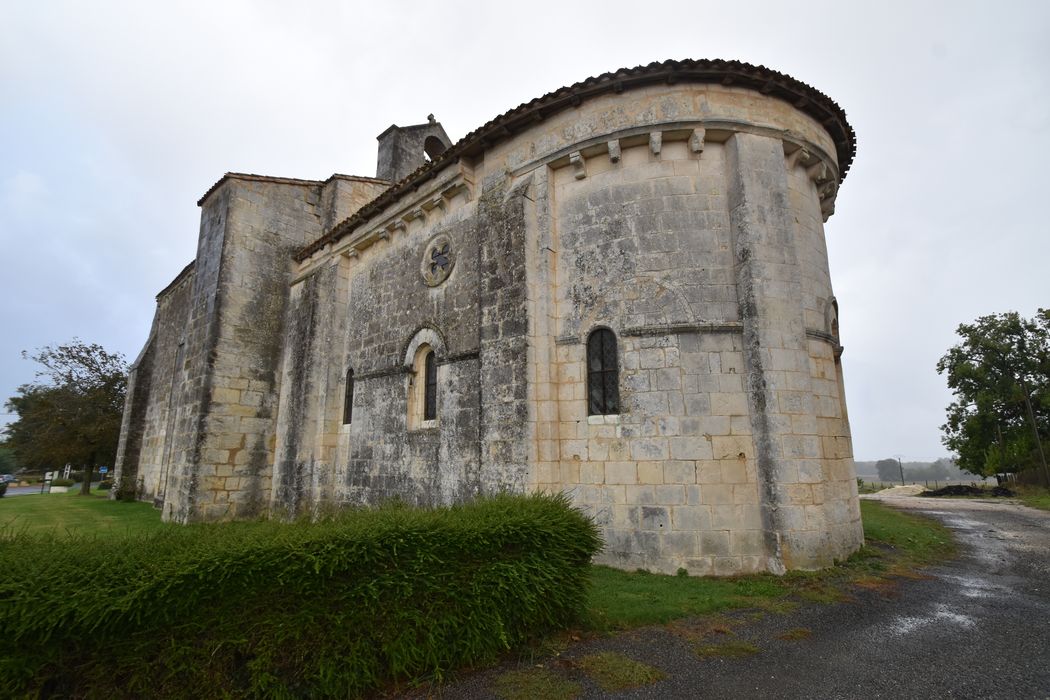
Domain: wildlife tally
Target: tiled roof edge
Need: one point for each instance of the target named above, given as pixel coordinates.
(178, 278)
(251, 177)
(357, 178)
(803, 97)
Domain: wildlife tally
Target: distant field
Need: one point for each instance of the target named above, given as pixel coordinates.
(71, 513)
(931, 483)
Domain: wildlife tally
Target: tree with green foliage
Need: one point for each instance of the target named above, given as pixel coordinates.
(73, 417)
(8, 463)
(1000, 376)
(888, 469)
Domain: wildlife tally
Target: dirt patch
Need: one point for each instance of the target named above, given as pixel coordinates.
(796, 634)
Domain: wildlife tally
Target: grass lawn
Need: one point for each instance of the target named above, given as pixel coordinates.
(63, 514)
(896, 543)
(1034, 496)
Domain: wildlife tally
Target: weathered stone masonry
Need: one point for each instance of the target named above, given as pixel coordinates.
(679, 205)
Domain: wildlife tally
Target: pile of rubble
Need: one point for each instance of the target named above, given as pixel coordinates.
(969, 490)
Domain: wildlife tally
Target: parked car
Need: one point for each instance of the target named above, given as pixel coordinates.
(6, 478)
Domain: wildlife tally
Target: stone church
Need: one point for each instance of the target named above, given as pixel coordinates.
(618, 290)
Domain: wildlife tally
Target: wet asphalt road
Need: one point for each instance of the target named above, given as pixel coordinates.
(978, 627)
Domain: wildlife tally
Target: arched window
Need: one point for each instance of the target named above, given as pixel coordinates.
(422, 389)
(348, 398)
(430, 387)
(603, 374)
(433, 147)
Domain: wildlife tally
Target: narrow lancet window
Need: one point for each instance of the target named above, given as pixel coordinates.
(603, 374)
(348, 398)
(430, 388)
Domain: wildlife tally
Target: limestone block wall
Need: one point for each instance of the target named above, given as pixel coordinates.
(200, 423)
(309, 413)
(232, 465)
(367, 305)
(362, 309)
(700, 244)
(132, 425)
(342, 195)
(152, 390)
(685, 217)
(190, 387)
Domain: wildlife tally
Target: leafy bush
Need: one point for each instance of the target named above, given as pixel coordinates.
(3, 489)
(62, 482)
(332, 608)
(104, 485)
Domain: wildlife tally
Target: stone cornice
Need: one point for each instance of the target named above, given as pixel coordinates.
(768, 82)
(250, 177)
(427, 204)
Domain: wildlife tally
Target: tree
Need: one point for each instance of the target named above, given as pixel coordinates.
(888, 469)
(940, 469)
(74, 417)
(1000, 376)
(8, 463)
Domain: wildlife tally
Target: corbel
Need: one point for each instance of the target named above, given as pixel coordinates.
(827, 207)
(656, 142)
(696, 141)
(614, 150)
(818, 172)
(454, 189)
(828, 189)
(800, 156)
(579, 165)
(434, 203)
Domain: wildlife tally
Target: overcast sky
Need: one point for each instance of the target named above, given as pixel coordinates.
(115, 117)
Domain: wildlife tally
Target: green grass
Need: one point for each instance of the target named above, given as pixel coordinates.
(896, 543)
(70, 513)
(535, 683)
(731, 649)
(912, 539)
(612, 671)
(618, 599)
(621, 599)
(1034, 496)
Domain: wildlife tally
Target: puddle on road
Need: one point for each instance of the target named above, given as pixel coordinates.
(942, 614)
(977, 587)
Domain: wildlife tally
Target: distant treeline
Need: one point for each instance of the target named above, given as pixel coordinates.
(943, 469)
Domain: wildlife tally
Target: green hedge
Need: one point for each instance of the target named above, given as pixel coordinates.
(266, 609)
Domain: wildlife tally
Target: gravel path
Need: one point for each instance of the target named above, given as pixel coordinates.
(977, 627)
